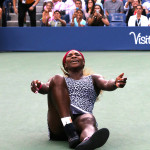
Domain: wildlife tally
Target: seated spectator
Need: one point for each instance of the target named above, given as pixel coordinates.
(133, 11)
(47, 14)
(113, 6)
(99, 2)
(128, 5)
(147, 6)
(57, 21)
(89, 8)
(71, 5)
(45, 2)
(77, 19)
(78, 5)
(98, 18)
(58, 5)
(138, 19)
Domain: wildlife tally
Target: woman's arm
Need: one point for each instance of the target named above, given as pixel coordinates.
(90, 20)
(126, 6)
(73, 16)
(109, 85)
(39, 87)
(105, 20)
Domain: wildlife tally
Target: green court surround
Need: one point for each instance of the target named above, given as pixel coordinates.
(125, 112)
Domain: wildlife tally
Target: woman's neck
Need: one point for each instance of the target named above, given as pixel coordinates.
(79, 20)
(76, 75)
(90, 10)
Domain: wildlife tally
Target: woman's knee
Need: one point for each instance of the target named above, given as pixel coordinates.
(57, 80)
(85, 120)
(88, 119)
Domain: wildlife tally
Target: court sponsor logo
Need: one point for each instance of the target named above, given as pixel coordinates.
(139, 39)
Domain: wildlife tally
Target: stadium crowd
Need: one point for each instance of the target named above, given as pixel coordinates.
(78, 13)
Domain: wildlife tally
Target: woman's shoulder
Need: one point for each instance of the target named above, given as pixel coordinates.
(96, 76)
(83, 21)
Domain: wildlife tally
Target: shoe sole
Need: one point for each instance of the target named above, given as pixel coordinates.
(74, 143)
(98, 139)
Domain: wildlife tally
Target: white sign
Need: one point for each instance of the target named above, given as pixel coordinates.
(138, 39)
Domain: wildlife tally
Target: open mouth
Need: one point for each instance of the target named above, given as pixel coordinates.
(74, 61)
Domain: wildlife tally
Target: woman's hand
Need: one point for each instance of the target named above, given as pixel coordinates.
(35, 86)
(120, 81)
(16, 10)
(31, 8)
(74, 15)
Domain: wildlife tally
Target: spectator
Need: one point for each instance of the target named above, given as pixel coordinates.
(146, 5)
(71, 5)
(57, 21)
(3, 21)
(10, 5)
(138, 19)
(113, 6)
(45, 2)
(47, 14)
(130, 3)
(0, 16)
(78, 5)
(89, 8)
(9, 8)
(77, 19)
(98, 18)
(133, 11)
(23, 7)
(58, 5)
(1, 7)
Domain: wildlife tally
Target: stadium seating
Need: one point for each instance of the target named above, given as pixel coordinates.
(117, 24)
(117, 17)
(117, 20)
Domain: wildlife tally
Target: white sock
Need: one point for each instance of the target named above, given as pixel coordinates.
(66, 120)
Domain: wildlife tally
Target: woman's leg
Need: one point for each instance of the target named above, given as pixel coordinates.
(86, 125)
(59, 108)
(91, 138)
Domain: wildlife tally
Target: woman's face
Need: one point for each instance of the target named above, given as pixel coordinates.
(90, 4)
(97, 9)
(48, 6)
(135, 3)
(79, 14)
(74, 60)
